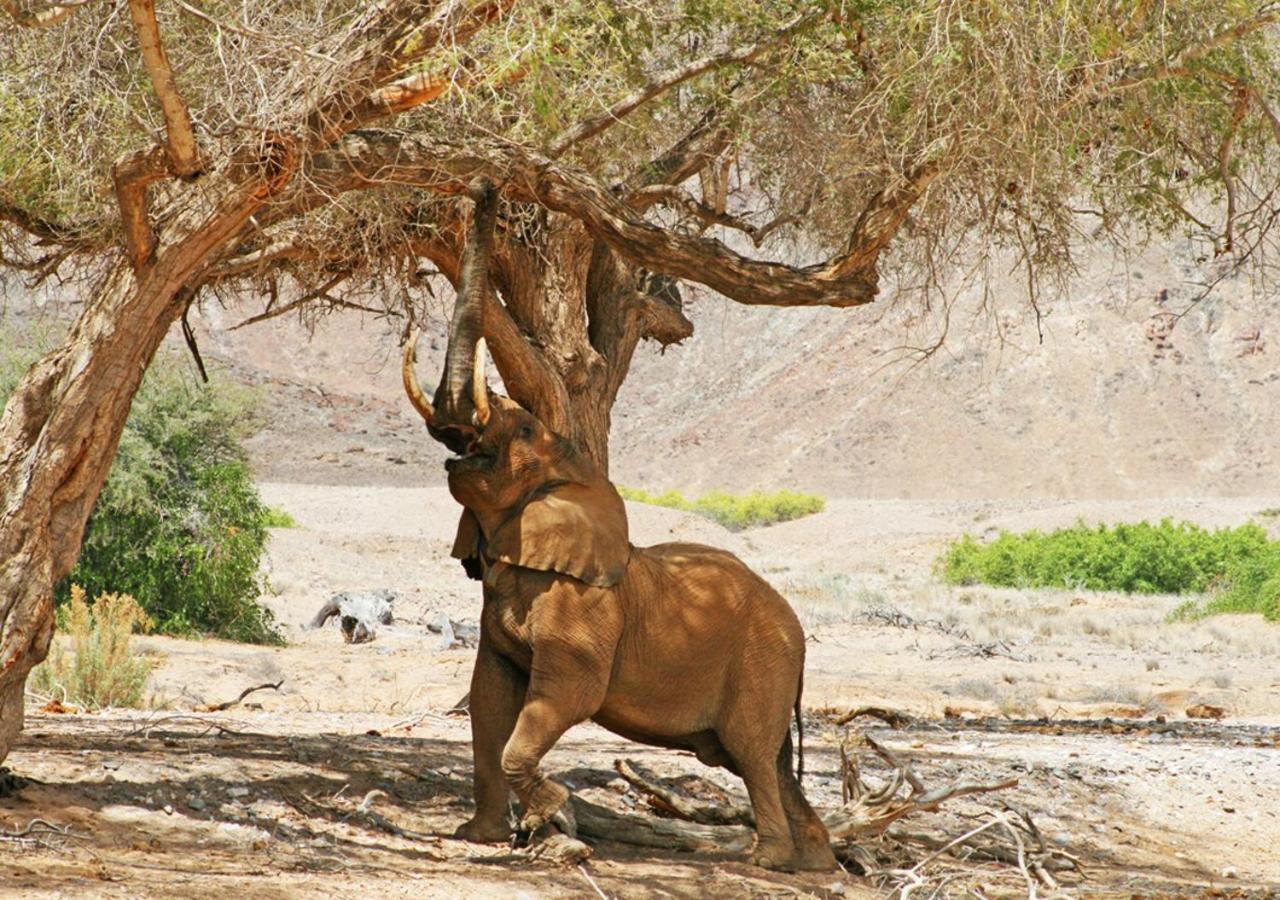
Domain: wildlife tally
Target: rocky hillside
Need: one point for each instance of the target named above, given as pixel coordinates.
(1133, 391)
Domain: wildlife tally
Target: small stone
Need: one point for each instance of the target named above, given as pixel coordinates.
(836, 888)
(238, 791)
(168, 809)
(1229, 872)
(196, 803)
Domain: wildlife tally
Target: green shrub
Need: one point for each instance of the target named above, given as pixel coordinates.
(1240, 567)
(179, 524)
(101, 670)
(733, 511)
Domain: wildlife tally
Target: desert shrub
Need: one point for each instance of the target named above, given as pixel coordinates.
(100, 670)
(179, 524)
(735, 511)
(1240, 567)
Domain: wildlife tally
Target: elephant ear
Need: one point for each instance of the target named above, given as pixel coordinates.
(574, 529)
(466, 545)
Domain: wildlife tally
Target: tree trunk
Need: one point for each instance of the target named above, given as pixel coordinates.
(60, 431)
(579, 309)
(60, 428)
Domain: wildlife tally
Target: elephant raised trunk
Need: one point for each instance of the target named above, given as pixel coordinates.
(461, 405)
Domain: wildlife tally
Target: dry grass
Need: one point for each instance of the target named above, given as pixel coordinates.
(101, 669)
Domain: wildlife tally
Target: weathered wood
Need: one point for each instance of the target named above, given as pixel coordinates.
(595, 821)
(686, 808)
(360, 612)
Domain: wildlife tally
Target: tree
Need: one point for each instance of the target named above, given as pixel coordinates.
(315, 152)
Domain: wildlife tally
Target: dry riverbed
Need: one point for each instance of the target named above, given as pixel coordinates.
(265, 799)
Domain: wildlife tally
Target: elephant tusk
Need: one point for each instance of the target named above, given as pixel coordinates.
(411, 387)
(479, 387)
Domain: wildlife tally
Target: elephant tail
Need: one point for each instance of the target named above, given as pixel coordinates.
(799, 732)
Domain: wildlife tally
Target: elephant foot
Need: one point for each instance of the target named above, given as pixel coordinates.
(782, 858)
(815, 858)
(778, 857)
(544, 806)
(484, 831)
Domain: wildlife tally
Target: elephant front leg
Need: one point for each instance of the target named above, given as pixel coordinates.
(552, 707)
(497, 693)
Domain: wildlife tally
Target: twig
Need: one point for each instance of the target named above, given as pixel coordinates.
(891, 717)
(591, 881)
(219, 707)
(146, 730)
(1022, 855)
(955, 843)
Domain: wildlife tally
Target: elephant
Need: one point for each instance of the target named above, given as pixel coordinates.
(677, 645)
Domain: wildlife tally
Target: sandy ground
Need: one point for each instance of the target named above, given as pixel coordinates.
(263, 799)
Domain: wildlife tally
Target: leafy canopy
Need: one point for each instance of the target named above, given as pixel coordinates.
(1152, 117)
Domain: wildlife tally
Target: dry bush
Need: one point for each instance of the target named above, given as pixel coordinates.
(99, 670)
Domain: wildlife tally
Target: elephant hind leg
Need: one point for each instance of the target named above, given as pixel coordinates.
(812, 843)
(751, 744)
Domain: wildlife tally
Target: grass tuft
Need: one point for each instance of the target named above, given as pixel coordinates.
(274, 517)
(736, 511)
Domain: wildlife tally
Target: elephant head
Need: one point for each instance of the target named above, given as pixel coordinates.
(531, 498)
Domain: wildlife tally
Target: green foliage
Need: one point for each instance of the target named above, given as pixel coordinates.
(179, 523)
(274, 517)
(101, 670)
(733, 511)
(1240, 566)
(1052, 106)
(1253, 587)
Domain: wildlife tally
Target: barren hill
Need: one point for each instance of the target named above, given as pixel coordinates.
(1133, 391)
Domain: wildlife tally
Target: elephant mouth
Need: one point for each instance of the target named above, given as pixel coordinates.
(472, 460)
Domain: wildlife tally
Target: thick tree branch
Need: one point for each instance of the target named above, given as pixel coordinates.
(880, 220)
(673, 196)
(132, 176)
(383, 87)
(184, 153)
(659, 85)
(705, 141)
(371, 158)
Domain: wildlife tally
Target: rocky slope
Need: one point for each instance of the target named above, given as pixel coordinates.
(1125, 388)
